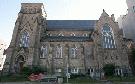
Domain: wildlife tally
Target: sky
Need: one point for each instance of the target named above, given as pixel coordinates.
(58, 10)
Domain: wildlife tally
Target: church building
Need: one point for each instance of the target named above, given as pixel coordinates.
(82, 46)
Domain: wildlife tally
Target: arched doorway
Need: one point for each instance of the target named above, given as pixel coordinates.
(19, 63)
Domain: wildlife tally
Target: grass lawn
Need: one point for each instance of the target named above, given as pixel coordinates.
(121, 79)
(80, 80)
(14, 78)
(77, 80)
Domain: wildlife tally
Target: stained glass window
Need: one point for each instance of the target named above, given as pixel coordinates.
(59, 52)
(107, 37)
(44, 52)
(72, 34)
(74, 70)
(24, 40)
(73, 52)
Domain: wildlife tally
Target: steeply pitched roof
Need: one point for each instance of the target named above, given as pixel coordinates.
(71, 24)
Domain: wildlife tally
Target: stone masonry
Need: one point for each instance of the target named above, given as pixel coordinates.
(61, 44)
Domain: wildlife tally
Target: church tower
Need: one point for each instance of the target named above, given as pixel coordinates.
(24, 46)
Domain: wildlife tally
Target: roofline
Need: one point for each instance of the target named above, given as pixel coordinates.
(32, 3)
(72, 20)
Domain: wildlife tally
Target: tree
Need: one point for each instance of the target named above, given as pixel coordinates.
(133, 60)
(35, 69)
(109, 69)
(38, 69)
(26, 71)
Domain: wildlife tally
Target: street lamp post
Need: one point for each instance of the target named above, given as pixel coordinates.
(67, 64)
(67, 73)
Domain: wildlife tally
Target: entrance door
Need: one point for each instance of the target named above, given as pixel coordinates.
(20, 62)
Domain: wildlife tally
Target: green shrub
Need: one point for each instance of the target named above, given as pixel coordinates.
(26, 71)
(132, 60)
(109, 69)
(77, 75)
(36, 70)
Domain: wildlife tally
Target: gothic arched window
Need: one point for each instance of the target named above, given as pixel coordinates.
(107, 37)
(60, 34)
(85, 34)
(24, 39)
(59, 52)
(73, 52)
(72, 34)
(44, 52)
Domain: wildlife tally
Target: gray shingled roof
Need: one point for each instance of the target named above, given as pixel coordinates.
(71, 24)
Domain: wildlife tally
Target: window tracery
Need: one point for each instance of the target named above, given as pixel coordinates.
(72, 34)
(60, 34)
(107, 37)
(24, 39)
(44, 52)
(85, 34)
(73, 51)
(58, 51)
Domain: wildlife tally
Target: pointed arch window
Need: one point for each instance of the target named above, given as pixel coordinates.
(73, 52)
(24, 39)
(72, 34)
(60, 34)
(85, 35)
(44, 52)
(58, 51)
(107, 37)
